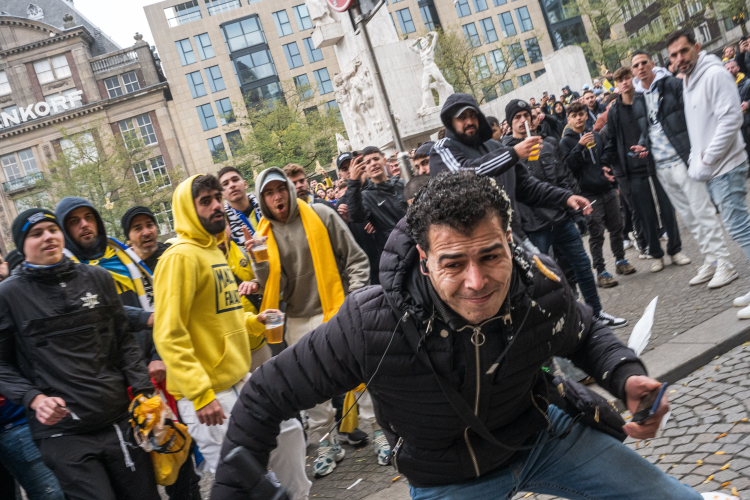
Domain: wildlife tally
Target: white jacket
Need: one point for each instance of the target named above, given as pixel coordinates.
(714, 117)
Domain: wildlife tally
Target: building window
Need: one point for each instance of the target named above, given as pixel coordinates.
(657, 25)
(153, 170)
(254, 67)
(516, 55)
(283, 26)
(312, 110)
(145, 130)
(703, 33)
(506, 86)
(323, 80)
(625, 11)
(532, 48)
(331, 106)
(304, 89)
(524, 79)
(480, 5)
(19, 165)
(195, 81)
(643, 31)
(405, 21)
(497, 59)
(113, 87)
(203, 43)
(302, 17)
(183, 13)
(215, 81)
(539, 72)
(471, 35)
(218, 6)
(480, 67)
(429, 24)
(693, 7)
(80, 150)
(165, 219)
(4, 85)
(462, 8)
(313, 54)
(54, 68)
(187, 56)
(59, 101)
(243, 34)
(498, 3)
(488, 30)
(206, 116)
(131, 82)
(676, 15)
(234, 138)
(636, 6)
(216, 146)
(524, 20)
(265, 94)
(490, 93)
(506, 22)
(293, 57)
(226, 113)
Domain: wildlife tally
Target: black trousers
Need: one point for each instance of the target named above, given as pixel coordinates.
(605, 216)
(630, 221)
(92, 466)
(643, 201)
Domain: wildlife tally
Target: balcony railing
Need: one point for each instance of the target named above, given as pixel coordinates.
(113, 62)
(23, 182)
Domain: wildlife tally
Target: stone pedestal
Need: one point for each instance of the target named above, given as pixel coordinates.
(325, 35)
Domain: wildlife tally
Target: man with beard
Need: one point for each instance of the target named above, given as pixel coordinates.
(296, 174)
(241, 208)
(594, 108)
(142, 231)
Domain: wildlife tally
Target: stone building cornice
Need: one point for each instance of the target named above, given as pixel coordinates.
(55, 35)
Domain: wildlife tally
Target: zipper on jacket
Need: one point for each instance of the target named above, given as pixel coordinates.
(471, 451)
(549, 424)
(395, 452)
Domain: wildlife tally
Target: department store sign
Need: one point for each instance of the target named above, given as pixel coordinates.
(55, 105)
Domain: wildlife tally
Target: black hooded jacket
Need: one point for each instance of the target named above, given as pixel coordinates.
(63, 333)
(382, 205)
(578, 159)
(437, 448)
(616, 150)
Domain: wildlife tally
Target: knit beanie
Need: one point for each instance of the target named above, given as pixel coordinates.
(14, 258)
(514, 107)
(28, 219)
(127, 219)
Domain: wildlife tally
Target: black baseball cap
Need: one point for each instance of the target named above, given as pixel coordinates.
(347, 156)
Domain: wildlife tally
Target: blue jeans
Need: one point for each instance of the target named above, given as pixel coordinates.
(729, 193)
(21, 457)
(586, 465)
(567, 242)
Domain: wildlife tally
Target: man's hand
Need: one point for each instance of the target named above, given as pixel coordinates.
(744, 106)
(369, 228)
(150, 322)
(248, 288)
(523, 148)
(640, 151)
(249, 247)
(49, 411)
(579, 203)
(744, 45)
(343, 210)
(635, 388)
(157, 370)
(357, 169)
(211, 414)
(263, 317)
(608, 174)
(586, 139)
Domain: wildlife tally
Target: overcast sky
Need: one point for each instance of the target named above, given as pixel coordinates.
(119, 20)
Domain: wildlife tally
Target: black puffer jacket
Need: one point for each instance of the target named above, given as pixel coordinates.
(615, 153)
(382, 205)
(63, 332)
(437, 447)
(365, 240)
(671, 115)
(743, 87)
(578, 159)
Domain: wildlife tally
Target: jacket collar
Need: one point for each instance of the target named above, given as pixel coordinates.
(63, 270)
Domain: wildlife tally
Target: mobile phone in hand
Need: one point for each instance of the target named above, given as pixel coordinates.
(649, 404)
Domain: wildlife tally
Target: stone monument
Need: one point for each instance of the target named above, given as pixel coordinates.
(425, 47)
(342, 144)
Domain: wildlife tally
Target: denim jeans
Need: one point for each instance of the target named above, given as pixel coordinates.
(729, 193)
(586, 465)
(567, 241)
(21, 457)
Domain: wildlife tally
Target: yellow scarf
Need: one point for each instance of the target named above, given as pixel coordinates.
(739, 78)
(330, 289)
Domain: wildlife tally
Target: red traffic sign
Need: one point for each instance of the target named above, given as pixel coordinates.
(340, 5)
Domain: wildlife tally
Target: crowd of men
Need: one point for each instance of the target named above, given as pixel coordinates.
(427, 309)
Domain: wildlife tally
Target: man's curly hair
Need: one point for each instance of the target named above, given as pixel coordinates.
(459, 200)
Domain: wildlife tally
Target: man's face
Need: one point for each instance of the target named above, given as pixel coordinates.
(471, 273)
(535, 121)
(276, 197)
(577, 120)
(610, 75)
(233, 187)
(394, 168)
(589, 99)
(625, 84)
(643, 67)
(423, 165)
(532, 102)
(344, 169)
(597, 84)
(210, 211)
(301, 185)
(375, 166)
(564, 92)
(683, 54)
(732, 67)
(330, 194)
(82, 227)
(143, 235)
(313, 185)
(519, 119)
(44, 244)
(497, 132)
(467, 123)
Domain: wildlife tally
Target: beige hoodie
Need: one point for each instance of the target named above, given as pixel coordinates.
(299, 286)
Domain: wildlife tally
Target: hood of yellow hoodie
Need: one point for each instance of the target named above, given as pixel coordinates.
(293, 207)
(187, 225)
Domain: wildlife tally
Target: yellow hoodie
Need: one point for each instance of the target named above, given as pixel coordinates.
(201, 331)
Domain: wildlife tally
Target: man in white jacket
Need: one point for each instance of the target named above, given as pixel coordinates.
(717, 149)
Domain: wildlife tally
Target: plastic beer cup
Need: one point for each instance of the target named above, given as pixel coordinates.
(274, 327)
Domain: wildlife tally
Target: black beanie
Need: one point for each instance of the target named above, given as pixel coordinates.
(14, 258)
(513, 108)
(127, 219)
(28, 219)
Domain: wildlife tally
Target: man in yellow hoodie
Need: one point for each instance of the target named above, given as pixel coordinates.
(203, 334)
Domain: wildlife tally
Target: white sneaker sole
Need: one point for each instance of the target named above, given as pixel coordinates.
(699, 281)
(744, 313)
(740, 303)
(724, 282)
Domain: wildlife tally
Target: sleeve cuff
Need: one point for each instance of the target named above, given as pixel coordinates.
(29, 397)
(204, 399)
(254, 327)
(621, 375)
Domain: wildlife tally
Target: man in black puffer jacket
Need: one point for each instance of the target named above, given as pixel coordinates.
(488, 320)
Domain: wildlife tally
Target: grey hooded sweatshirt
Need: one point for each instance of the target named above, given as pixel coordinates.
(299, 285)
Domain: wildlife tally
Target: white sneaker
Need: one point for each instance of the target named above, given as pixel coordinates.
(680, 259)
(705, 273)
(644, 256)
(627, 244)
(657, 266)
(744, 313)
(743, 301)
(725, 274)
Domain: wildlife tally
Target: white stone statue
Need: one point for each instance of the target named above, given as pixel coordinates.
(425, 47)
(349, 109)
(319, 12)
(342, 144)
(366, 94)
